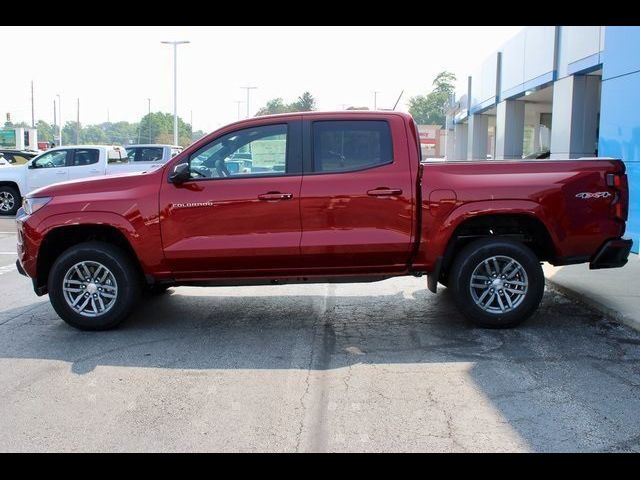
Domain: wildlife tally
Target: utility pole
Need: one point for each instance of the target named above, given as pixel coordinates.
(60, 118)
(55, 121)
(33, 114)
(248, 89)
(375, 99)
(149, 118)
(191, 123)
(175, 86)
(108, 121)
(239, 102)
(78, 125)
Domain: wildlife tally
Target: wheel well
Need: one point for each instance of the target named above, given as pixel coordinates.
(61, 238)
(11, 184)
(523, 228)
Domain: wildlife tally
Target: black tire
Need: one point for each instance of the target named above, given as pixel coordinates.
(9, 193)
(120, 265)
(471, 257)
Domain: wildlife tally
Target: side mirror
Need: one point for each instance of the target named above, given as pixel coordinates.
(180, 173)
(31, 165)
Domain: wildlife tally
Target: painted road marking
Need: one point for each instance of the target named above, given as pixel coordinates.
(7, 269)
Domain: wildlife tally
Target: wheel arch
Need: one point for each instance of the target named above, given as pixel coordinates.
(524, 226)
(60, 238)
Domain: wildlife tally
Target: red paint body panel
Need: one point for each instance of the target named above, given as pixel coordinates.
(345, 227)
(331, 225)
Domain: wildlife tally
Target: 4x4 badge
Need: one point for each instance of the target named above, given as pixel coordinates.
(585, 195)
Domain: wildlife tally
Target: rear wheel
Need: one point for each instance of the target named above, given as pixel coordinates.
(497, 283)
(93, 286)
(9, 200)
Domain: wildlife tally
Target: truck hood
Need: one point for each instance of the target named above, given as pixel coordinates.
(108, 183)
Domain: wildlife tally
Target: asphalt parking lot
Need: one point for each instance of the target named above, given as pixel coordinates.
(352, 367)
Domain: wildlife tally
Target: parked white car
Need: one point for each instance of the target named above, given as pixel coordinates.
(152, 153)
(61, 164)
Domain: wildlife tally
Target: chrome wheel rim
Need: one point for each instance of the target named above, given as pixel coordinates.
(7, 202)
(90, 289)
(499, 284)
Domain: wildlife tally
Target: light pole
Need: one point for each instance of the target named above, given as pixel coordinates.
(247, 89)
(149, 119)
(375, 99)
(238, 102)
(59, 120)
(175, 85)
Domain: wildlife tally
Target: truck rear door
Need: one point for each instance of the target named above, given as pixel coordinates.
(356, 197)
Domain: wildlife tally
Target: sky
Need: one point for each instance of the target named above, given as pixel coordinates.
(113, 70)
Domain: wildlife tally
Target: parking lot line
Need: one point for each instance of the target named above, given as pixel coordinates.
(7, 269)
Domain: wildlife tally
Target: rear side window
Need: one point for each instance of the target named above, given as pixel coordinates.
(84, 157)
(347, 145)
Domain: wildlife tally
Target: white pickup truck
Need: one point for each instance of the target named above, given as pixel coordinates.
(61, 164)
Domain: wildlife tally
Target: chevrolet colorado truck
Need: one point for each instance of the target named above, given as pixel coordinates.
(323, 197)
(61, 164)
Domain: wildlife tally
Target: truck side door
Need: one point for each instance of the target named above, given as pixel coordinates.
(48, 168)
(228, 221)
(357, 195)
(84, 163)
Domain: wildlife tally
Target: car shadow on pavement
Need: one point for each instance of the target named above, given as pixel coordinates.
(567, 379)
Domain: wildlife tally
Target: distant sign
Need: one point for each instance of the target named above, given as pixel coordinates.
(7, 138)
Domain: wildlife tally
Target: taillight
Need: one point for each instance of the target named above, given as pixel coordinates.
(614, 180)
(618, 181)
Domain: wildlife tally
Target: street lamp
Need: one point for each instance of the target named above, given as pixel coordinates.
(59, 120)
(175, 85)
(375, 99)
(247, 89)
(239, 102)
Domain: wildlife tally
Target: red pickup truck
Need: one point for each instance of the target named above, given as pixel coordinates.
(321, 197)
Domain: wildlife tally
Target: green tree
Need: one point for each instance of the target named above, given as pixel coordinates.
(273, 106)
(430, 109)
(69, 133)
(45, 131)
(305, 103)
(157, 127)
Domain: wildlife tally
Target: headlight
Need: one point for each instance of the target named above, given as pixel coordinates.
(32, 205)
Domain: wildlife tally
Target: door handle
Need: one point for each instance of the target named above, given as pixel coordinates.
(60, 173)
(384, 192)
(275, 196)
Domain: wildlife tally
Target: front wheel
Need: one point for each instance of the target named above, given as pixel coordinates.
(93, 286)
(9, 200)
(497, 283)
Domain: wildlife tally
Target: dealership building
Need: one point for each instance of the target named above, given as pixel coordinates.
(559, 92)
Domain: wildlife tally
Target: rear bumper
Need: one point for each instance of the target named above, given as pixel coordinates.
(613, 254)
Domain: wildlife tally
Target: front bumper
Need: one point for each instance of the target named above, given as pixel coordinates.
(613, 254)
(20, 269)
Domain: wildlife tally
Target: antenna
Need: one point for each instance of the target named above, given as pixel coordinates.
(399, 97)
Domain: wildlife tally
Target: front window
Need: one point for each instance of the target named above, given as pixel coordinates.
(55, 159)
(252, 151)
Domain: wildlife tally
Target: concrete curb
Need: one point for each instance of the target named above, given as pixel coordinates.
(593, 304)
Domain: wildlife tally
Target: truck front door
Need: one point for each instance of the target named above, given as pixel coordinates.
(237, 220)
(48, 168)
